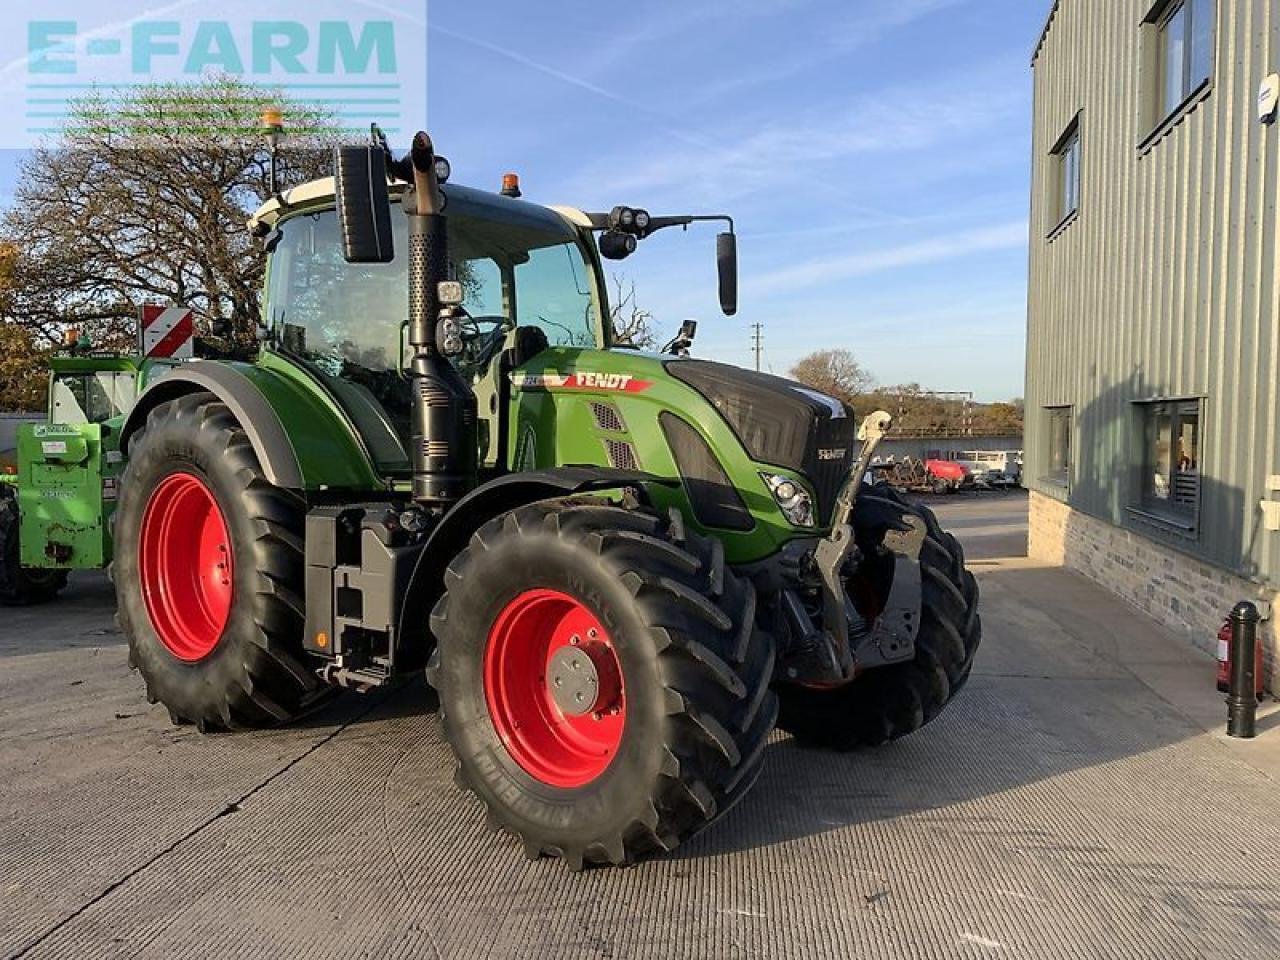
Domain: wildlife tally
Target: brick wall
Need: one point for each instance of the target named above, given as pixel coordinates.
(1184, 594)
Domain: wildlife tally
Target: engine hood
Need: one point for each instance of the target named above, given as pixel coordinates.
(777, 420)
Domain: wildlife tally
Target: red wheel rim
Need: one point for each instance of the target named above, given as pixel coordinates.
(531, 687)
(186, 566)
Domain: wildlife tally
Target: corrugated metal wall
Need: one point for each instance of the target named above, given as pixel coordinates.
(1166, 283)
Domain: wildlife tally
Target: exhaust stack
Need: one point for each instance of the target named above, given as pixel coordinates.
(444, 450)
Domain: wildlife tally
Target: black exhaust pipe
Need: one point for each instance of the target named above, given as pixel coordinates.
(445, 453)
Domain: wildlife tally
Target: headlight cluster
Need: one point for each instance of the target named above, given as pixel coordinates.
(792, 499)
(627, 226)
(449, 336)
(629, 220)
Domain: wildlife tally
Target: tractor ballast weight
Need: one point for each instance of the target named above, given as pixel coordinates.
(619, 569)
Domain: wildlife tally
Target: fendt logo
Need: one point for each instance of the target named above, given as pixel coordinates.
(354, 61)
(582, 380)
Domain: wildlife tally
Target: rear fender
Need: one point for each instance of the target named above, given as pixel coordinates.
(300, 440)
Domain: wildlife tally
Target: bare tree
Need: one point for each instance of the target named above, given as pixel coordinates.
(836, 373)
(631, 324)
(144, 198)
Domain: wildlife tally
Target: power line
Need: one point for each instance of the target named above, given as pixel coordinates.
(757, 340)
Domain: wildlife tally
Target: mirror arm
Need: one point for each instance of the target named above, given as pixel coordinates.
(600, 221)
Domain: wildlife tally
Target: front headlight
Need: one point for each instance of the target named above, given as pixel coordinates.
(793, 499)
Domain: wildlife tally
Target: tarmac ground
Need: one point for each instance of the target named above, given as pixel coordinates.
(1078, 799)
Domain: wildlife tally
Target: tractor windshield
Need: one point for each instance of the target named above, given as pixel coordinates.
(347, 318)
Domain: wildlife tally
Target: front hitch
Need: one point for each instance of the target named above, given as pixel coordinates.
(847, 642)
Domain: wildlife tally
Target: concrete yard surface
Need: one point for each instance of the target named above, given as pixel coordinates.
(1077, 800)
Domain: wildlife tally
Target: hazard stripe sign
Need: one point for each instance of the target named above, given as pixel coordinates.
(167, 332)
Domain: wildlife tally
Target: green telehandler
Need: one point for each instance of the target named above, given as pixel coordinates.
(57, 499)
(620, 570)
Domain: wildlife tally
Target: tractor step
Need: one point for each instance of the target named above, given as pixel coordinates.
(362, 680)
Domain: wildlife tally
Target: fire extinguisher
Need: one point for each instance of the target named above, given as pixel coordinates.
(1224, 662)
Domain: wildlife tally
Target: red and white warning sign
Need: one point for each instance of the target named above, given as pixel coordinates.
(167, 332)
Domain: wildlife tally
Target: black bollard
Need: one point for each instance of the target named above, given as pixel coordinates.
(1242, 700)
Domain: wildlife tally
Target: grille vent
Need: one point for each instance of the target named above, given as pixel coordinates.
(621, 455)
(607, 418)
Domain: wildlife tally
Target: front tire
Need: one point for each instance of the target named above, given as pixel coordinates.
(890, 702)
(21, 586)
(209, 572)
(675, 707)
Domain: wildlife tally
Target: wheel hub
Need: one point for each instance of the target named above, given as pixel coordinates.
(554, 689)
(573, 681)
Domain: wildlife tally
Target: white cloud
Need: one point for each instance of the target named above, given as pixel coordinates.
(1006, 236)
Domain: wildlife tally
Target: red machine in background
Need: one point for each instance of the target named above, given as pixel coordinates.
(947, 476)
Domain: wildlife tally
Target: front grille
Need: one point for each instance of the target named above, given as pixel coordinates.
(827, 461)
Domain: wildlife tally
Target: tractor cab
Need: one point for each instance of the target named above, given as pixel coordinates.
(530, 280)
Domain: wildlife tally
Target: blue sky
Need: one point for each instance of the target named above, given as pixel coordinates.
(874, 153)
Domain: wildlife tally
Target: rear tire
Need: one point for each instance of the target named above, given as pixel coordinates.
(680, 736)
(21, 586)
(231, 657)
(890, 702)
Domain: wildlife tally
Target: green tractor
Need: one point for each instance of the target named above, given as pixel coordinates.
(56, 503)
(620, 570)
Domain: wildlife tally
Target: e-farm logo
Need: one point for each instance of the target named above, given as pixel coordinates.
(358, 61)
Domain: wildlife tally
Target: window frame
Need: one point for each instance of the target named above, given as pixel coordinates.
(1060, 477)
(1162, 115)
(1067, 160)
(1146, 502)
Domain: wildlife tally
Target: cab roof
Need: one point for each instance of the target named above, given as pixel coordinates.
(319, 193)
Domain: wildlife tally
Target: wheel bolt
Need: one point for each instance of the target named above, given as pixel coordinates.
(575, 640)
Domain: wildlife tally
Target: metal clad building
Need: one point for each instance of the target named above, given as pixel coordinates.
(1153, 354)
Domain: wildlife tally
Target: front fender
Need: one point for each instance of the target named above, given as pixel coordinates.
(300, 440)
(479, 507)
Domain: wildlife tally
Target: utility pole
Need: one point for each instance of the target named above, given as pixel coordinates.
(757, 340)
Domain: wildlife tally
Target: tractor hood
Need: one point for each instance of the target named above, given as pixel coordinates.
(779, 421)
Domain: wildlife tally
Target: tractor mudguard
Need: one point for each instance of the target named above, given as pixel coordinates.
(302, 442)
(483, 504)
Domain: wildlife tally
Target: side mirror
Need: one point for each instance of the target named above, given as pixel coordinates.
(364, 209)
(727, 262)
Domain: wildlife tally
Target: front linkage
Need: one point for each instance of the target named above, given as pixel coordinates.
(847, 641)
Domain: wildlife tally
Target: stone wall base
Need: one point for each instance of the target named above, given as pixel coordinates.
(1184, 594)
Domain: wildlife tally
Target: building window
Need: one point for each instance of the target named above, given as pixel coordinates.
(1058, 462)
(1171, 459)
(1185, 31)
(1064, 199)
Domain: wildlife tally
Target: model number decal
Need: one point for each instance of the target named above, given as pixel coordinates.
(582, 380)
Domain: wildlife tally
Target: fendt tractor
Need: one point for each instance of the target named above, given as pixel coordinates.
(620, 570)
